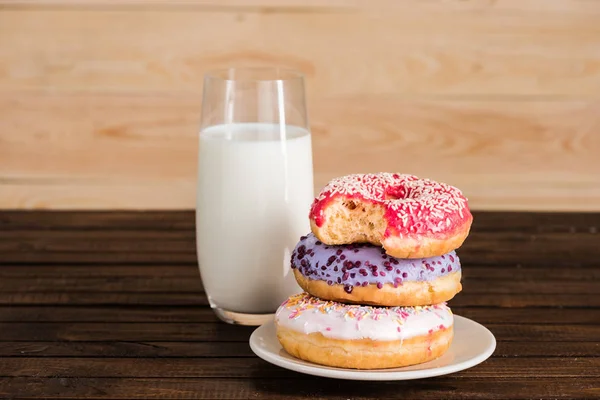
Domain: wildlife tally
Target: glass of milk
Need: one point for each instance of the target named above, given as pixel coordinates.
(255, 187)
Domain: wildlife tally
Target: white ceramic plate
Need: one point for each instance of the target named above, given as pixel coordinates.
(472, 344)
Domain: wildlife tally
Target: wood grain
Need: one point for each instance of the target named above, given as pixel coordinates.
(146, 151)
(257, 368)
(82, 221)
(408, 50)
(560, 6)
(218, 332)
(164, 349)
(167, 313)
(123, 326)
(498, 98)
(524, 247)
(299, 388)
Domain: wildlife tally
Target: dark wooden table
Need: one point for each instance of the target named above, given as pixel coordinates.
(110, 305)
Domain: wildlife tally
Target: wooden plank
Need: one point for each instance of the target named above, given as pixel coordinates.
(569, 250)
(44, 279)
(121, 349)
(219, 332)
(76, 331)
(485, 147)
(98, 220)
(471, 273)
(165, 349)
(197, 299)
(118, 299)
(257, 368)
(300, 387)
(485, 221)
(522, 249)
(157, 284)
(410, 50)
(305, 5)
(125, 271)
(154, 314)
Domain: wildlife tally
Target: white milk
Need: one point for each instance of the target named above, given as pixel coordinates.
(254, 195)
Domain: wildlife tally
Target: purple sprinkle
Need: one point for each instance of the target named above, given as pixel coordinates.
(335, 268)
(345, 276)
(443, 270)
(390, 268)
(379, 285)
(343, 257)
(356, 250)
(318, 243)
(451, 258)
(364, 284)
(353, 275)
(387, 264)
(323, 268)
(348, 288)
(375, 273)
(357, 264)
(398, 271)
(395, 262)
(330, 283)
(449, 268)
(338, 252)
(404, 275)
(300, 256)
(382, 273)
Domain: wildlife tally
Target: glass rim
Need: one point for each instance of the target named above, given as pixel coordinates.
(280, 74)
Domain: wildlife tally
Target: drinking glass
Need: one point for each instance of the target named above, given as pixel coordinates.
(255, 187)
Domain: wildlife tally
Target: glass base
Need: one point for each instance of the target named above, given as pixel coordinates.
(242, 319)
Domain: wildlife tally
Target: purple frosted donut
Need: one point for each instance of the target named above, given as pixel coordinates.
(365, 274)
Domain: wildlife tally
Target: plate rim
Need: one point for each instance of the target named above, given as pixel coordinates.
(370, 375)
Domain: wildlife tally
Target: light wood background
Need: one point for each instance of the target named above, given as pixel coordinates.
(100, 99)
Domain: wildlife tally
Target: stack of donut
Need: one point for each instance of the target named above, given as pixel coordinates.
(377, 270)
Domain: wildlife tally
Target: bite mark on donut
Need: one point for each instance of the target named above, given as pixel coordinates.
(392, 205)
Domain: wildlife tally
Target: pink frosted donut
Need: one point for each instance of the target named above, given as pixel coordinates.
(408, 216)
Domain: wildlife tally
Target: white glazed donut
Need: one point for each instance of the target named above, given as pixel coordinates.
(362, 337)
